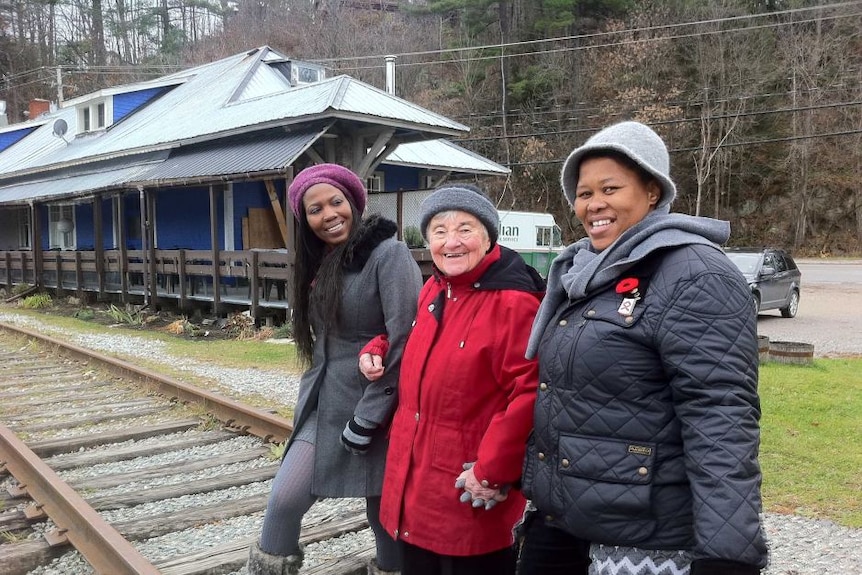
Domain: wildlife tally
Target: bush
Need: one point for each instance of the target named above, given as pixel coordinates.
(128, 316)
(84, 314)
(284, 331)
(37, 301)
(413, 237)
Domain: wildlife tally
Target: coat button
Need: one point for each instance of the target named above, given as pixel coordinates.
(564, 462)
(395, 533)
(591, 313)
(388, 390)
(643, 471)
(543, 386)
(549, 517)
(541, 456)
(416, 416)
(477, 285)
(484, 483)
(431, 307)
(629, 319)
(406, 534)
(563, 322)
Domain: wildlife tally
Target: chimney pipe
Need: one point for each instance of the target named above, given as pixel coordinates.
(390, 75)
(4, 119)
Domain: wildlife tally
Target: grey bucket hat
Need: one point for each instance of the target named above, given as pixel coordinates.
(633, 139)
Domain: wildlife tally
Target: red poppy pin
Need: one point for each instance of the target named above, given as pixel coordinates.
(627, 285)
(628, 288)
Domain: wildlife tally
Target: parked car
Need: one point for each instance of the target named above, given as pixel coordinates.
(773, 277)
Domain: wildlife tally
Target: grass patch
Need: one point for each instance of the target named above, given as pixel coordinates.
(811, 427)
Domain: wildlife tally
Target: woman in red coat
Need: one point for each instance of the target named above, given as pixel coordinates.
(466, 397)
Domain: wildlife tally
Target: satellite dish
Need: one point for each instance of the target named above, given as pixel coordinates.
(60, 128)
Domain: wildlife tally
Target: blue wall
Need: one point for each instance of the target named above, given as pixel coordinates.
(125, 104)
(9, 138)
(183, 219)
(397, 178)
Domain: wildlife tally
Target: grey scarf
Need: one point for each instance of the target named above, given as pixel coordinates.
(579, 270)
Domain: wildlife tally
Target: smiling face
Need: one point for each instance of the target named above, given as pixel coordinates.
(611, 197)
(328, 213)
(458, 241)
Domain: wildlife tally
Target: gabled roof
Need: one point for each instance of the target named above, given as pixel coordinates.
(443, 155)
(236, 118)
(233, 96)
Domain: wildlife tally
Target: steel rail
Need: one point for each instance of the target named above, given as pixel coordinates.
(101, 545)
(233, 414)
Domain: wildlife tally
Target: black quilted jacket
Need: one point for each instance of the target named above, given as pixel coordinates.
(646, 426)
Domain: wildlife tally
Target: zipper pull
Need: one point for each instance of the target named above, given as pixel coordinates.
(448, 290)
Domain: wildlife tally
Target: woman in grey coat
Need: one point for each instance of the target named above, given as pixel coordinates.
(353, 282)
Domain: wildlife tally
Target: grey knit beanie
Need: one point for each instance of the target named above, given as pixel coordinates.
(633, 139)
(465, 198)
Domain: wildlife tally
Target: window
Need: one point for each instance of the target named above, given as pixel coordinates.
(94, 115)
(24, 228)
(549, 236)
(61, 227)
(374, 183)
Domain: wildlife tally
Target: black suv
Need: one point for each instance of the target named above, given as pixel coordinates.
(772, 276)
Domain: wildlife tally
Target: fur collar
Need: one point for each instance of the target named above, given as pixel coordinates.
(373, 231)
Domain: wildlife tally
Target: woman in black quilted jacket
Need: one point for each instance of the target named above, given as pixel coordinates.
(643, 460)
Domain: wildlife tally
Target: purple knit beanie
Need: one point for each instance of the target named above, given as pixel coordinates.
(331, 174)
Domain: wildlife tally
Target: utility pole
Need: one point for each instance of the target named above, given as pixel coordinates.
(59, 87)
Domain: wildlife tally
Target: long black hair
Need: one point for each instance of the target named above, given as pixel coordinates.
(317, 275)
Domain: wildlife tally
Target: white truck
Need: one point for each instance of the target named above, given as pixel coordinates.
(536, 236)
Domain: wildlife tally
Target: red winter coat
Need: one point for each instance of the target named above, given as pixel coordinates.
(466, 393)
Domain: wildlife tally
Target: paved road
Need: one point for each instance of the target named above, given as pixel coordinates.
(830, 310)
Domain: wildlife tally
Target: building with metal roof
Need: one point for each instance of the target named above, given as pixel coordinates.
(200, 159)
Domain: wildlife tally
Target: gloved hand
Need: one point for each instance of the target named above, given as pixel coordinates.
(357, 435)
(371, 357)
(476, 493)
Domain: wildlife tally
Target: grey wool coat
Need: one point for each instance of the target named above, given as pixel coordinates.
(381, 287)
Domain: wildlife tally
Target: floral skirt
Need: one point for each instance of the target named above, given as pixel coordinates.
(613, 560)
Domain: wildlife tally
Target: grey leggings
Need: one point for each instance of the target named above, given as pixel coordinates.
(291, 498)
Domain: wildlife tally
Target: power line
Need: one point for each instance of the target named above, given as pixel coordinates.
(604, 45)
(726, 145)
(669, 122)
(580, 37)
(538, 111)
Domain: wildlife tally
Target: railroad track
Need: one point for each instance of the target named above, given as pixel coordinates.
(111, 468)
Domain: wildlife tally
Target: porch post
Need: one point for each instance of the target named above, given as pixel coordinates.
(37, 246)
(142, 201)
(214, 194)
(99, 246)
(124, 252)
(150, 258)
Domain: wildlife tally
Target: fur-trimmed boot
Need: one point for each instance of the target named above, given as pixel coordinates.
(262, 563)
(373, 569)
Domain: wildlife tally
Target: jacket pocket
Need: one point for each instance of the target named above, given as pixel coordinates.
(606, 488)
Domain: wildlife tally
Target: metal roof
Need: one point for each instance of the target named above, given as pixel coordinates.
(65, 187)
(273, 153)
(211, 103)
(443, 155)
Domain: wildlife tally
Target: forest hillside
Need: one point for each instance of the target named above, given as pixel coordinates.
(760, 101)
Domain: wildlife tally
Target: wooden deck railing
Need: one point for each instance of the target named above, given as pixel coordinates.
(252, 278)
(238, 278)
